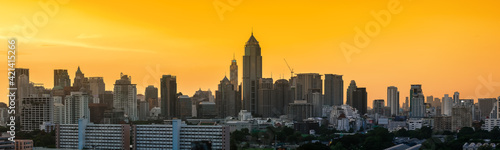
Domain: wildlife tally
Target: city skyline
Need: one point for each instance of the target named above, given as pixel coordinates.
(309, 47)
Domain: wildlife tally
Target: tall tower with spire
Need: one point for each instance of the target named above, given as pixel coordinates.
(252, 72)
(234, 73)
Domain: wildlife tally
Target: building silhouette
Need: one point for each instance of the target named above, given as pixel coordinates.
(168, 96)
(350, 92)
(417, 106)
(360, 100)
(151, 96)
(334, 90)
(125, 97)
(227, 100)
(266, 98)
(393, 100)
(61, 78)
(283, 94)
(97, 87)
(233, 76)
(252, 72)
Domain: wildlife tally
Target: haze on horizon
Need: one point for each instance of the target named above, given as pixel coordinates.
(446, 46)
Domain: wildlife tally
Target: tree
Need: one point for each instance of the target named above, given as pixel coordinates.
(338, 146)
(313, 146)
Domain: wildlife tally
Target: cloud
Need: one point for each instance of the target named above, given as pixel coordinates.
(88, 36)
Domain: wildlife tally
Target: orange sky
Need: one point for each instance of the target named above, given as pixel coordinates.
(446, 46)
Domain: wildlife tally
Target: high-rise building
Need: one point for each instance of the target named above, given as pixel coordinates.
(334, 90)
(485, 106)
(283, 94)
(61, 78)
(227, 100)
(151, 96)
(437, 102)
(359, 100)
(76, 107)
(168, 96)
(21, 81)
(97, 87)
(107, 98)
(300, 110)
(185, 107)
(97, 111)
(456, 98)
(378, 106)
(350, 90)
(447, 105)
(59, 115)
(417, 106)
(233, 77)
(308, 83)
(206, 110)
(266, 98)
(461, 117)
(430, 100)
(393, 100)
(125, 97)
(252, 72)
(36, 110)
(80, 81)
(143, 110)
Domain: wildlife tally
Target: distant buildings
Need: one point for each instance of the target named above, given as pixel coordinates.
(228, 100)
(125, 97)
(185, 107)
(266, 104)
(283, 95)
(61, 78)
(417, 107)
(300, 110)
(252, 72)
(233, 76)
(144, 110)
(350, 92)
(447, 105)
(360, 100)
(36, 111)
(151, 96)
(393, 100)
(378, 106)
(334, 90)
(456, 98)
(486, 105)
(76, 107)
(461, 117)
(97, 87)
(168, 89)
(307, 84)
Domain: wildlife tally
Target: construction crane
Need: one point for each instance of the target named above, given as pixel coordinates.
(291, 70)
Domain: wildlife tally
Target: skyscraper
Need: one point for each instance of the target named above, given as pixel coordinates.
(151, 96)
(233, 77)
(227, 100)
(283, 95)
(393, 100)
(378, 106)
(168, 96)
(334, 90)
(61, 78)
(417, 106)
(125, 97)
(80, 81)
(486, 105)
(36, 111)
(456, 98)
(76, 107)
(266, 98)
(360, 100)
(350, 90)
(447, 105)
(97, 87)
(252, 72)
(307, 84)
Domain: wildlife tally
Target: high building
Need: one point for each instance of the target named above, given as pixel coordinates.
(266, 104)
(308, 83)
(227, 100)
(168, 84)
(300, 110)
(185, 107)
(485, 106)
(97, 111)
(252, 72)
(76, 107)
(334, 90)
(125, 97)
(442, 123)
(61, 78)
(177, 135)
(59, 114)
(97, 87)
(461, 117)
(393, 100)
(360, 100)
(206, 110)
(378, 106)
(417, 106)
(36, 111)
(317, 102)
(80, 81)
(143, 110)
(350, 90)
(233, 77)
(456, 98)
(21, 81)
(86, 135)
(447, 105)
(202, 96)
(151, 96)
(107, 98)
(283, 94)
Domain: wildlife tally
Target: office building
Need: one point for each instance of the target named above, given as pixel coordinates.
(266, 104)
(233, 77)
(456, 98)
(252, 72)
(300, 110)
(461, 117)
(86, 135)
(227, 100)
(185, 107)
(442, 123)
(151, 96)
(485, 106)
(76, 107)
(59, 114)
(350, 91)
(177, 135)
(393, 100)
(447, 105)
(334, 90)
(378, 106)
(61, 78)
(283, 94)
(206, 110)
(417, 106)
(168, 84)
(97, 111)
(307, 84)
(125, 97)
(36, 111)
(359, 100)
(97, 87)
